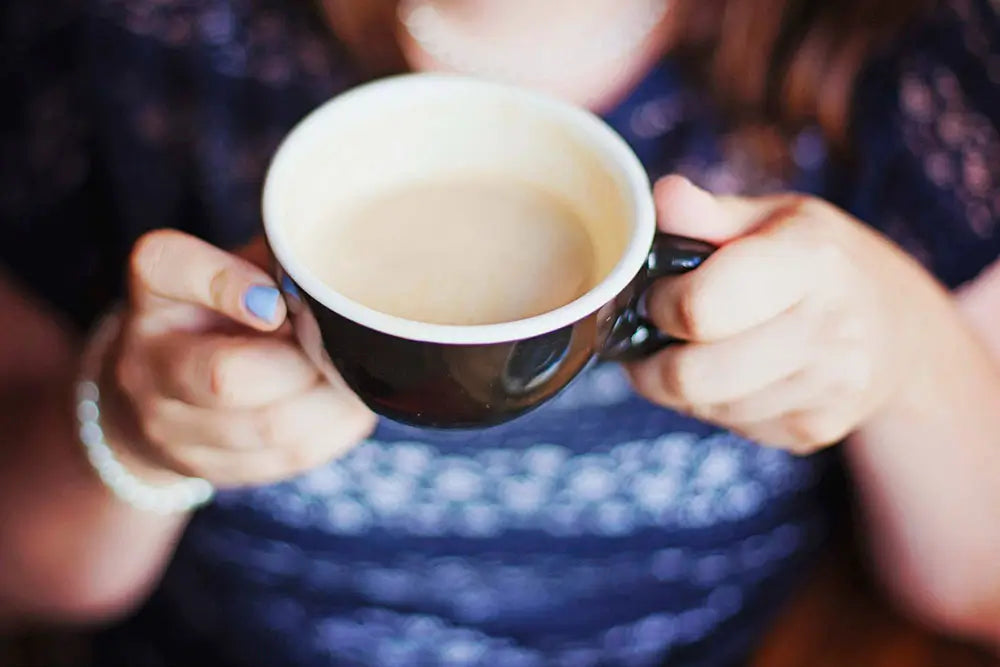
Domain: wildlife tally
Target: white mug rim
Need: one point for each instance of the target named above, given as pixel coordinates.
(601, 139)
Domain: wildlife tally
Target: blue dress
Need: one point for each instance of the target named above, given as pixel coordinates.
(599, 530)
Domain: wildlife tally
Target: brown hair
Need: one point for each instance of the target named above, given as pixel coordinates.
(785, 64)
(774, 66)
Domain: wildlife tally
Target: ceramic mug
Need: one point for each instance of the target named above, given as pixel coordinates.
(418, 126)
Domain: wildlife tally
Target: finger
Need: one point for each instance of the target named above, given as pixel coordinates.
(802, 433)
(170, 267)
(324, 445)
(230, 470)
(773, 433)
(219, 371)
(686, 210)
(741, 286)
(323, 411)
(291, 437)
(701, 374)
(328, 413)
(169, 424)
(801, 391)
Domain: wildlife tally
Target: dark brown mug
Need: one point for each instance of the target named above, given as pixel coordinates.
(421, 125)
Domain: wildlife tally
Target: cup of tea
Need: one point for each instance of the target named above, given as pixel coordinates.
(459, 250)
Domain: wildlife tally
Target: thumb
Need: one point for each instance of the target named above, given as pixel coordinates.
(169, 268)
(685, 209)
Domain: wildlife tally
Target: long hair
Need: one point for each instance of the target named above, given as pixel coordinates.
(773, 66)
(786, 64)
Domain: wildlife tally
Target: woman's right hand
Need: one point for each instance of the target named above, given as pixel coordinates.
(214, 385)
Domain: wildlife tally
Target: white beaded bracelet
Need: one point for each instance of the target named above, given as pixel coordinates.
(175, 498)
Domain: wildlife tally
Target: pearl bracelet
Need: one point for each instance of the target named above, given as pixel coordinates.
(175, 498)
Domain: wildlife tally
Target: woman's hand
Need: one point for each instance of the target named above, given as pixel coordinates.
(214, 385)
(802, 326)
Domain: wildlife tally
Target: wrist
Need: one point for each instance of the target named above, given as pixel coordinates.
(121, 427)
(942, 362)
(129, 478)
(122, 438)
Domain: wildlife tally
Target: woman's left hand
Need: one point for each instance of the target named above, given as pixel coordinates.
(802, 326)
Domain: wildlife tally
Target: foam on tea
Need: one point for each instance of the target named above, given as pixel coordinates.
(460, 251)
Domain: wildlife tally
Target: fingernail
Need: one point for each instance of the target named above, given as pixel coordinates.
(289, 287)
(262, 301)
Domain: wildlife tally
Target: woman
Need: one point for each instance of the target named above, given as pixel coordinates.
(616, 525)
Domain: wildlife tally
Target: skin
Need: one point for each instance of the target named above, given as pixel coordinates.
(597, 79)
(806, 327)
(237, 405)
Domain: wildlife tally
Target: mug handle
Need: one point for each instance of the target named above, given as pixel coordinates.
(632, 336)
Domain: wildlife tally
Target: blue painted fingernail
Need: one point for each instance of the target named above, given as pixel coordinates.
(289, 287)
(262, 301)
